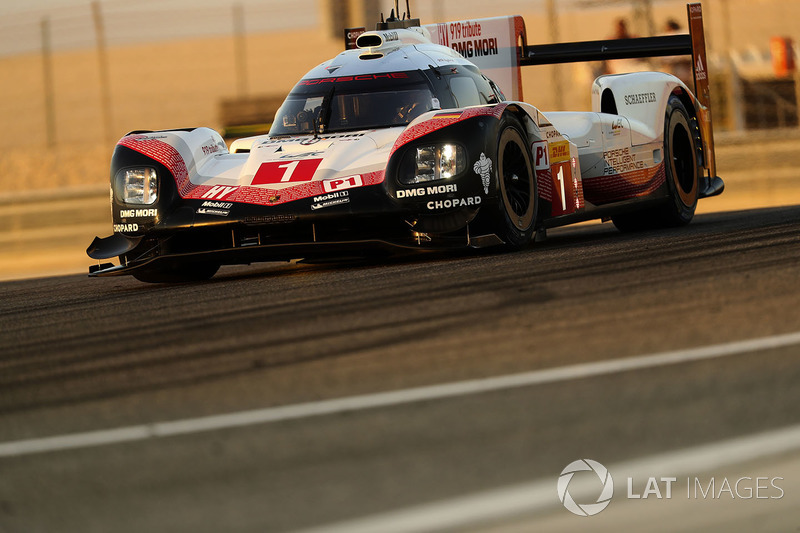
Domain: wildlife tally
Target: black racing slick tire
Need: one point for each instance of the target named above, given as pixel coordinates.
(683, 170)
(683, 164)
(514, 218)
(178, 273)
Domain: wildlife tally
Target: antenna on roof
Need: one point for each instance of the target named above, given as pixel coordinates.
(393, 22)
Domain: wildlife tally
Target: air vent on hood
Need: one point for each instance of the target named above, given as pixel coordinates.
(369, 40)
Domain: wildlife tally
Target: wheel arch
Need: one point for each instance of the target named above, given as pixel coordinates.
(523, 116)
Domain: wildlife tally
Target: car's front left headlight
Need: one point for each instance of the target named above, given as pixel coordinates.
(434, 162)
(137, 185)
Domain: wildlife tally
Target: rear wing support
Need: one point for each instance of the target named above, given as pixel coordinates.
(693, 44)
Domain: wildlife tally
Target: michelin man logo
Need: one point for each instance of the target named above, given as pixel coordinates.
(588, 509)
(483, 168)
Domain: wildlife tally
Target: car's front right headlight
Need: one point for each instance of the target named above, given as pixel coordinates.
(434, 162)
(138, 186)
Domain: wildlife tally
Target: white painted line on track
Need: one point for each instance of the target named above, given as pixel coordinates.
(522, 500)
(391, 398)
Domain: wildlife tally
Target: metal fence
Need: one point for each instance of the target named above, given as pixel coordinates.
(123, 22)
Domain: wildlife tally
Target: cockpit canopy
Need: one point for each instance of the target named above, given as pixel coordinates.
(379, 100)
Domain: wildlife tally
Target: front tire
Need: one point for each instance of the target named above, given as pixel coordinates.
(515, 216)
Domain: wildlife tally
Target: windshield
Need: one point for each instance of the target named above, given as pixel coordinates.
(353, 103)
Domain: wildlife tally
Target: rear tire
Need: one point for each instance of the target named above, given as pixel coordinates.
(683, 165)
(178, 273)
(514, 218)
(682, 168)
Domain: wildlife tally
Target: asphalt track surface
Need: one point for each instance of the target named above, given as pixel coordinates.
(79, 355)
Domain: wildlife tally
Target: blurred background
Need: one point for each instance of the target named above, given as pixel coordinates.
(78, 74)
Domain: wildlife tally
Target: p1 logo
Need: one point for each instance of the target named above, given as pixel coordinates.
(541, 155)
(340, 184)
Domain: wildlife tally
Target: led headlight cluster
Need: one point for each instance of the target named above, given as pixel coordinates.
(137, 185)
(434, 162)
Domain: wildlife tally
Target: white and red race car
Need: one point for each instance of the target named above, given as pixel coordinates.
(403, 142)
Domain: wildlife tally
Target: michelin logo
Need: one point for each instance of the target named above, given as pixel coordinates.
(483, 168)
(212, 211)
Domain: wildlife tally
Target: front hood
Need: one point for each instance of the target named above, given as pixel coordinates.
(284, 169)
(275, 170)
